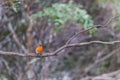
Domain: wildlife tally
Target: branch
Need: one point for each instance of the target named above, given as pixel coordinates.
(101, 60)
(105, 76)
(95, 26)
(15, 36)
(58, 50)
(26, 15)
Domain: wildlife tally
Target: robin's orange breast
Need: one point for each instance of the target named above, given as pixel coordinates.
(39, 49)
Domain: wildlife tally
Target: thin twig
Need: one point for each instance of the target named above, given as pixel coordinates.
(95, 26)
(81, 32)
(58, 50)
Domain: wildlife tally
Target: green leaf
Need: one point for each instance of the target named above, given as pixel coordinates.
(59, 13)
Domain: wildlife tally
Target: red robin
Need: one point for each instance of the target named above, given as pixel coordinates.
(39, 48)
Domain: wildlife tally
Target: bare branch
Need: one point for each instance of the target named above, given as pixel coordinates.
(26, 12)
(15, 36)
(105, 76)
(84, 43)
(95, 26)
(101, 60)
(58, 50)
(81, 32)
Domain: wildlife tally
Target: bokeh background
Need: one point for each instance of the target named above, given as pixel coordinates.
(24, 22)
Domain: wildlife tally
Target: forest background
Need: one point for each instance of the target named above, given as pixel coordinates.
(80, 39)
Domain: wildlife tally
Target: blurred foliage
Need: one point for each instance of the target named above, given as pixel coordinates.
(13, 4)
(59, 13)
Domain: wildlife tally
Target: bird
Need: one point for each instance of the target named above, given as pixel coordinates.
(39, 48)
